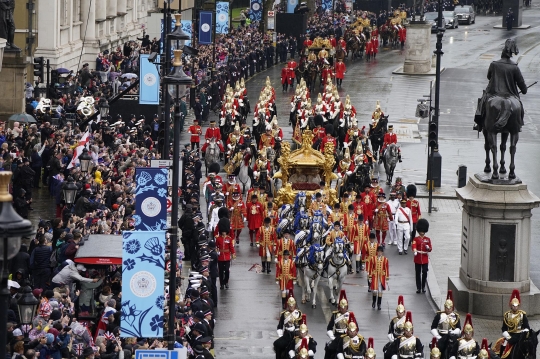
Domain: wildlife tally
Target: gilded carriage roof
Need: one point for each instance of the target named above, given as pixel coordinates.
(306, 155)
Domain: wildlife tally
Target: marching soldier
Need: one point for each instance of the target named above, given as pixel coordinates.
(466, 346)
(266, 242)
(340, 70)
(289, 323)
(407, 346)
(515, 322)
(395, 330)
(285, 275)
(286, 243)
(337, 326)
(225, 248)
(414, 205)
(403, 221)
(195, 131)
(359, 237)
(378, 270)
(238, 214)
(446, 326)
(255, 213)
(369, 251)
(421, 247)
(285, 78)
(398, 188)
(383, 214)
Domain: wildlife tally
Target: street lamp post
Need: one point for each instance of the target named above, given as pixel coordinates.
(103, 109)
(69, 189)
(178, 78)
(12, 228)
(27, 305)
(166, 98)
(84, 160)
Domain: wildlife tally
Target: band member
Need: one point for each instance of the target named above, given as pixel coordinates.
(421, 246)
(515, 322)
(266, 241)
(285, 275)
(395, 330)
(255, 213)
(225, 248)
(403, 226)
(383, 214)
(407, 346)
(238, 214)
(378, 270)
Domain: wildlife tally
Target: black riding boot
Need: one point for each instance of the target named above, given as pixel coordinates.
(368, 285)
(399, 157)
(358, 266)
(284, 301)
(379, 300)
(263, 265)
(268, 270)
(374, 301)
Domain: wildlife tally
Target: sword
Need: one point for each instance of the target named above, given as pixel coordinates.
(531, 85)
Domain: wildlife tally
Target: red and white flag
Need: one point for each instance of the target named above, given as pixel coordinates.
(83, 143)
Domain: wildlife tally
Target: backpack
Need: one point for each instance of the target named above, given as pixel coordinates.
(55, 253)
(61, 253)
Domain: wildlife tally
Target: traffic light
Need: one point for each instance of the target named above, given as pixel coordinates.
(38, 67)
(433, 135)
(55, 77)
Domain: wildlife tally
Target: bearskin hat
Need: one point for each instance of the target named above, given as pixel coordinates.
(422, 225)
(411, 190)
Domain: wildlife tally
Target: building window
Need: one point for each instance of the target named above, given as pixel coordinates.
(64, 10)
(101, 28)
(76, 10)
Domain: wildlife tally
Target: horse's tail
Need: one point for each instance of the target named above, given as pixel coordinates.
(504, 114)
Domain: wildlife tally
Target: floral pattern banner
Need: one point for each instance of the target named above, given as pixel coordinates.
(151, 199)
(143, 275)
(222, 19)
(256, 10)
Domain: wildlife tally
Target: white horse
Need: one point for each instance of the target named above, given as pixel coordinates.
(336, 268)
(211, 153)
(311, 273)
(243, 176)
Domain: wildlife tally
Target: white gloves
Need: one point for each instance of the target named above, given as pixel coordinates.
(280, 332)
(294, 282)
(452, 357)
(292, 354)
(434, 332)
(415, 253)
(258, 245)
(310, 353)
(275, 260)
(330, 334)
(394, 356)
(506, 335)
(456, 331)
(340, 356)
(525, 330)
(277, 282)
(290, 329)
(391, 337)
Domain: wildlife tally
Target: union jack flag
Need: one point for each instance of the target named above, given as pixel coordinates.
(109, 336)
(78, 348)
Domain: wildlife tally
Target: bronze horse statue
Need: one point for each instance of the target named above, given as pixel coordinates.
(500, 109)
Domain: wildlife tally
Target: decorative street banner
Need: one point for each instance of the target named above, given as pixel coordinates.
(222, 17)
(205, 27)
(150, 199)
(291, 4)
(326, 5)
(187, 27)
(149, 86)
(143, 275)
(256, 10)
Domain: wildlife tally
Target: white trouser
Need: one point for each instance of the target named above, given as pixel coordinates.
(403, 231)
(392, 232)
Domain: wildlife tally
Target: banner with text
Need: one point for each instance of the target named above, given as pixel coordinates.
(149, 86)
(256, 7)
(222, 17)
(143, 275)
(205, 27)
(150, 199)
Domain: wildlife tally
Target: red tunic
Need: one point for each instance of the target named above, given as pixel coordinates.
(228, 190)
(285, 274)
(282, 245)
(195, 131)
(369, 204)
(292, 66)
(285, 76)
(328, 140)
(212, 133)
(340, 70)
(307, 43)
(414, 205)
(378, 271)
(255, 212)
(374, 45)
(383, 214)
(238, 213)
(266, 238)
(359, 237)
(343, 44)
(389, 138)
(421, 246)
(402, 34)
(225, 248)
(369, 48)
(325, 73)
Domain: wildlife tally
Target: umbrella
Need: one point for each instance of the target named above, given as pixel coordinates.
(22, 117)
(129, 76)
(63, 71)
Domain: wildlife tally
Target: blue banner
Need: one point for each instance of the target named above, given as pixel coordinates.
(256, 10)
(291, 4)
(151, 199)
(143, 277)
(222, 17)
(149, 85)
(326, 5)
(187, 27)
(205, 27)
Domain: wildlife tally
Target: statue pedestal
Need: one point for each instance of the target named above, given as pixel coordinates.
(495, 243)
(417, 51)
(12, 84)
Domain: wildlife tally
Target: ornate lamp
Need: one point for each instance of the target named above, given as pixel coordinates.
(84, 160)
(177, 76)
(178, 34)
(104, 109)
(27, 305)
(70, 190)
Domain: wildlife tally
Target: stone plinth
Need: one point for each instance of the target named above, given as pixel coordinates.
(517, 9)
(495, 243)
(12, 81)
(418, 49)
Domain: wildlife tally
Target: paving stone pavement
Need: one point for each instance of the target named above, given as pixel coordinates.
(444, 231)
